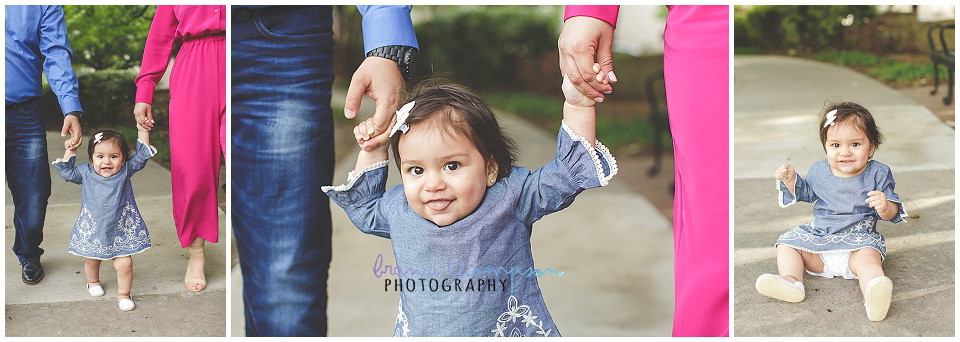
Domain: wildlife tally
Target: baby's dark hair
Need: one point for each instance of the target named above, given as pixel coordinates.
(460, 112)
(859, 116)
(111, 136)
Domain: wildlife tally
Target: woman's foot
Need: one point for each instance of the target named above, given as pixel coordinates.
(125, 302)
(94, 289)
(877, 298)
(776, 287)
(195, 280)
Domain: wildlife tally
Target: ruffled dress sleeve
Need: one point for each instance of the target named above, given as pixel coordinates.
(362, 196)
(577, 166)
(886, 184)
(802, 189)
(68, 171)
(139, 158)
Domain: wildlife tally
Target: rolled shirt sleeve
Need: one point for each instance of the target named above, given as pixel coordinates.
(385, 26)
(55, 47)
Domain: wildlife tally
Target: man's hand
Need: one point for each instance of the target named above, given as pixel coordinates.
(143, 112)
(583, 42)
(380, 79)
(71, 124)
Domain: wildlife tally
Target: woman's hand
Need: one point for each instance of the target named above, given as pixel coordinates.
(583, 42)
(142, 111)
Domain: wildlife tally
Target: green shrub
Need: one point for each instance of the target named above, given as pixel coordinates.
(850, 58)
(107, 98)
(108, 37)
(488, 46)
(803, 28)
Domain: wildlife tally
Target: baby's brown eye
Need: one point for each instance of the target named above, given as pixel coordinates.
(416, 170)
(452, 166)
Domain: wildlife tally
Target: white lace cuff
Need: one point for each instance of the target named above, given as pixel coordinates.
(595, 153)
(352, 179)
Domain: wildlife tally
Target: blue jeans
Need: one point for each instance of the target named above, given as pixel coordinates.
(282, 153)
(28, 175)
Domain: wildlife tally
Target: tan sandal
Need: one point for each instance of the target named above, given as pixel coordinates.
(125, 304)
(202, 282)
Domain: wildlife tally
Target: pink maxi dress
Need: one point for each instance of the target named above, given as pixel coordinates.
(197, 109)
(695, 63)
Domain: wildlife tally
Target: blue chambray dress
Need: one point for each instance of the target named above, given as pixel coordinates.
(496, 234)
(109, 225)
(842, 220)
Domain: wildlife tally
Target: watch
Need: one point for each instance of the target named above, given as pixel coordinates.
(77, 113)
(405, 56)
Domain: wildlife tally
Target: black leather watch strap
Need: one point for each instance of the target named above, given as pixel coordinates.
(405, 56)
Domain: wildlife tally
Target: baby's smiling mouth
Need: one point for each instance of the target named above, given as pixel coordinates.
(439, 204)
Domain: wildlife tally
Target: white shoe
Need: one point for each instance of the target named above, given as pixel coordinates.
(877, 299)
(94, 289)
(774, 286)
(125, 304)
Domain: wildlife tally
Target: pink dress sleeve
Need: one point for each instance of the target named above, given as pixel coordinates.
(605, 13)
(156, 52)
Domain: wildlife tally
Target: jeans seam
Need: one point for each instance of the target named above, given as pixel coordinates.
(258, 23)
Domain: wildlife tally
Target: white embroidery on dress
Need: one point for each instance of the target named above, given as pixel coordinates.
(861, 234)
(85, 243)
(514, 311)
(401, 326)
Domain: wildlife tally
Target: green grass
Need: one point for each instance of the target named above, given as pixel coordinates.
(616, 130)
(528, 106)
(159, 139)
(749, 50)
(850, 58)
(890, 71)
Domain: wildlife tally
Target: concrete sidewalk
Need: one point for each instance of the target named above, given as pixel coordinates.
(777, 100)
(614, 246)
(60, 305)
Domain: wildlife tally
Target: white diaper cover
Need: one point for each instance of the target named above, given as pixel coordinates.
(835, 264)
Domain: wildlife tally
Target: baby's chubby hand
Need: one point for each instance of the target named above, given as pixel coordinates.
(786, 173)
(71, 147)
(877, 200)
(143, 128)
(574, 97)
(367, 135)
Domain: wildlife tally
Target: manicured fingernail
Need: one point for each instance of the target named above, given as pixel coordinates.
(348, 113)
(608, 92)
(596, 67)
(613, 78)
(598, 99)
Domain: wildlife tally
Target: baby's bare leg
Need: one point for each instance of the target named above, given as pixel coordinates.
(124, 267)
(91, 269)
(866, 264)
(791, 262)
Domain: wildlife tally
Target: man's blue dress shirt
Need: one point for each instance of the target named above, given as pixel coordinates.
(37, 36)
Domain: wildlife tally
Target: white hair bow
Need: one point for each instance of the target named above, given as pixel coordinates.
(96, 138)
(831, 116)
(402, 116)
